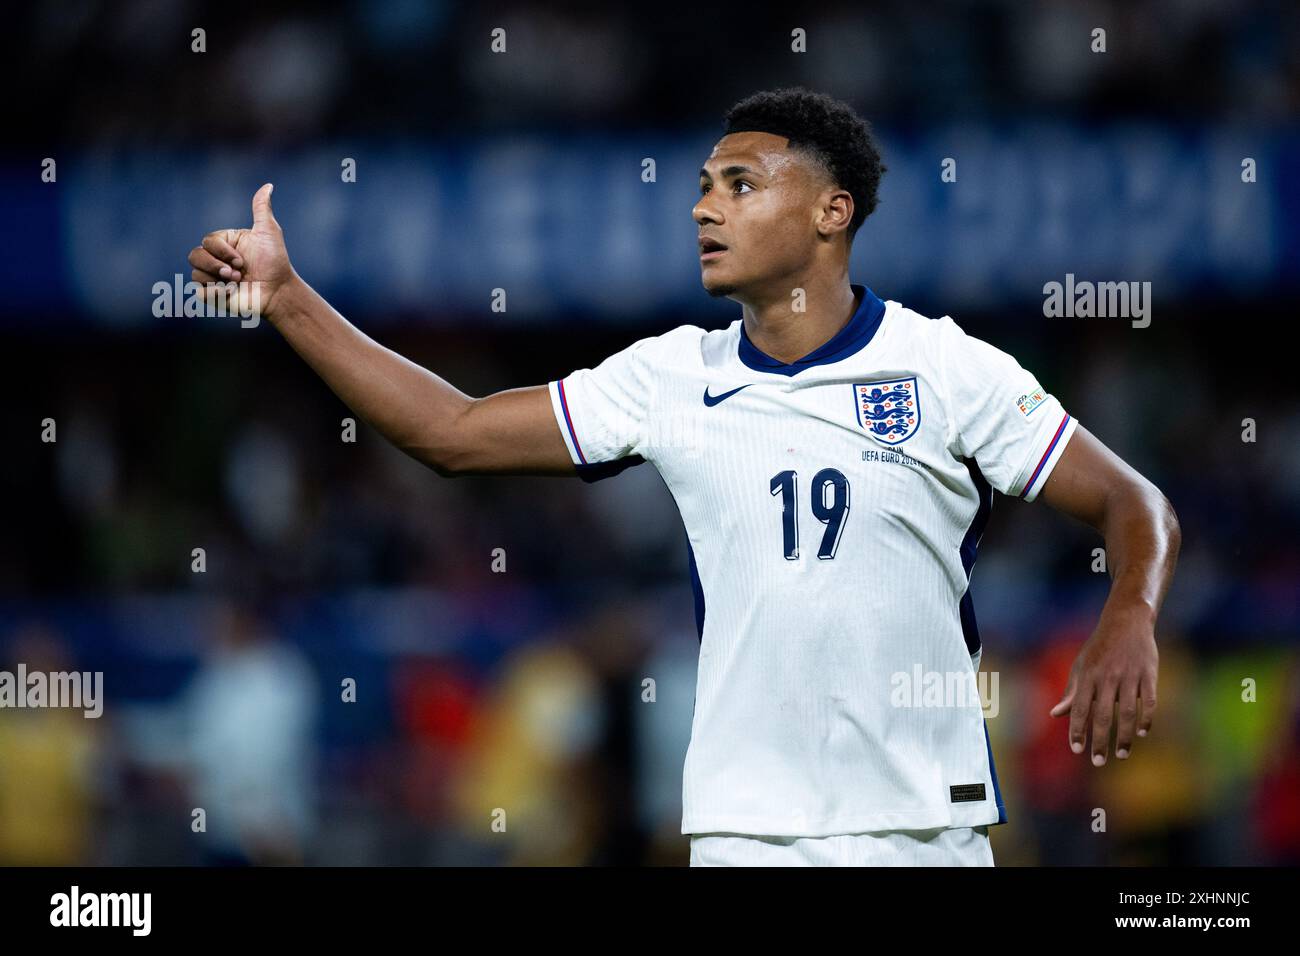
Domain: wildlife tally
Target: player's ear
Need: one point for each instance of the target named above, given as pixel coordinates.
(836, 212)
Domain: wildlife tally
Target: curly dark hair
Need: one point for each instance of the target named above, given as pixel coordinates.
(825, 129)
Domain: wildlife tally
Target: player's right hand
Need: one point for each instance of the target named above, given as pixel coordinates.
(255, 255)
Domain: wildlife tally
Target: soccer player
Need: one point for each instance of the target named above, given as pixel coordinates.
(833, 456)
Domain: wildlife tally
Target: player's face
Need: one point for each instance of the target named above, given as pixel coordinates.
(758, 199)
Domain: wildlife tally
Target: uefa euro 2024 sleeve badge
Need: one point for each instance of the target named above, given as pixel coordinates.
(889, 411)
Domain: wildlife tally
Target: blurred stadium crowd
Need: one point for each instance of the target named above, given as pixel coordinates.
(301, 70)
(523, 689)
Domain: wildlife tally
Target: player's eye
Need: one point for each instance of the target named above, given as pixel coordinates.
(741, 182)
(704, 188)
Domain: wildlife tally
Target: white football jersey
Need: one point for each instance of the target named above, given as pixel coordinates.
(832, 508)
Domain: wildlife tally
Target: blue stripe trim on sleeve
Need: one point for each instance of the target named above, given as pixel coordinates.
(1046, 455)
(564, 403)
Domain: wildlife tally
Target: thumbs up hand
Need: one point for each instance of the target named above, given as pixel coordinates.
(255, 258)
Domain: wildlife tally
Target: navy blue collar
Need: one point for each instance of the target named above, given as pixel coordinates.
(852, 338)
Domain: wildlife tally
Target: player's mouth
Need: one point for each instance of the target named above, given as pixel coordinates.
(710, 248)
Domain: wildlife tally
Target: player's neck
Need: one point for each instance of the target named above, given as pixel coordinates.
(788, 326)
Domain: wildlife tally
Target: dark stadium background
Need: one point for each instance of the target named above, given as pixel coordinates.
(523, 690)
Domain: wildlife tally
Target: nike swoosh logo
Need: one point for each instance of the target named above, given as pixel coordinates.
(711, 400)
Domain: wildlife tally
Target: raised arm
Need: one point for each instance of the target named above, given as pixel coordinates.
(508, 432)
(1116, 668)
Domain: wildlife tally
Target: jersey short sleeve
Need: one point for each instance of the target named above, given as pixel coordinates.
(604, 412)
(1000, 415)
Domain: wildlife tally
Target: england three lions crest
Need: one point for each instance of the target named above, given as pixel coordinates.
(889, 411)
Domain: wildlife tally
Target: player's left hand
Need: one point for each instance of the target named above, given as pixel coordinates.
(1114, 672)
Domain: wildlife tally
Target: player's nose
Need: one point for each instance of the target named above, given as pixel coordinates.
(703, 212)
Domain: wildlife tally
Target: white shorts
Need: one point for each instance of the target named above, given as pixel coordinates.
(954, 846)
